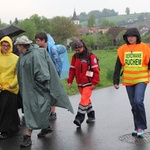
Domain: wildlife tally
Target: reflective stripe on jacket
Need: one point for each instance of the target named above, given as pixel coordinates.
(134, 59)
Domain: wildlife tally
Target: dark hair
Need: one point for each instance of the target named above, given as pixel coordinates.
(41, 36)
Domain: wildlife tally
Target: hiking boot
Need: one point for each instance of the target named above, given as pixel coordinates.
(90, 120)
(77, 122)
(53, 116)
(140, 133)
(91, 117)
(3, 136)
(26, 141)
(134, 133)
(45, 131)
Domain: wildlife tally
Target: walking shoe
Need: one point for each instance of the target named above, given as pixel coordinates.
(26, 141)
(3, 136)
(140, 133)
(90, 120)
(53, 116)
(77, 122)
(134, 133)
(45, 131)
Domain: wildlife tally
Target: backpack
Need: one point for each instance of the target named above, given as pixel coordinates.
(62, 65)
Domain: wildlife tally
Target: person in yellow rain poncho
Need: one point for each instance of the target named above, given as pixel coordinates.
(9, 117)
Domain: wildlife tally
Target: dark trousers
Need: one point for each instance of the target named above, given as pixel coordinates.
(136, 96)
(9, 117)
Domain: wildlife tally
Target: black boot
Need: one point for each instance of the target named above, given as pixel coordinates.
(3, 135)
(26, 141)
(79, 119)
(91, 117)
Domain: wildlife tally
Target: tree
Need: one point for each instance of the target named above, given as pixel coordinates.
(108, 13)
(90, 41)
(146, 38)
(104, 40)
(62, 28)
(119, 38)
(96, 13)
(82, 17)
(10, 22)
(141, 18)
(107, 23)
(2, 25)
(92, 21)
(127, 11)
(42, 23)
(29, 27)
(16, 21)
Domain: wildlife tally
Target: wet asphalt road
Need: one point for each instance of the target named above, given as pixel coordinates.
(113, 120)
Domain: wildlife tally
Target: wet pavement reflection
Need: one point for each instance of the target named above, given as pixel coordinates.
(113, 120)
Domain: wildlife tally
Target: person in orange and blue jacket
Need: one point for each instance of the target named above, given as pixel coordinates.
(134, 58)
(85, 68)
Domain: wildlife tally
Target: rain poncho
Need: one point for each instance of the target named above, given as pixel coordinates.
(58, 54)
(9, 117)
(8, 63)
(40, 87)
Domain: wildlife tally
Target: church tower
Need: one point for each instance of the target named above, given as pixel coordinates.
(75, 19)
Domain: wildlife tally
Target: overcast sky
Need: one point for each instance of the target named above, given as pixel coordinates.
(21, 9)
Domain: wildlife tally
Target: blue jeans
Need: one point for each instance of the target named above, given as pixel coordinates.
(136, 96)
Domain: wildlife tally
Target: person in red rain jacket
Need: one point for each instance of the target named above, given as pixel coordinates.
(84, 67)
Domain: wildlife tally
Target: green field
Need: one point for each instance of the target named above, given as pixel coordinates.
(120, 18)
(107, 59)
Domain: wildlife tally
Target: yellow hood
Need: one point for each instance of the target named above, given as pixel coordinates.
(8, 76)
(7, 39)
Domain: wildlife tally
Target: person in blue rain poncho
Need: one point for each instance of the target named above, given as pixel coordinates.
(59, 56)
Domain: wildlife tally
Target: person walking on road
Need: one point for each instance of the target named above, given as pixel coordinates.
(9, 117)
(134, 59)
(36, 77)
(84, 67)
(59, 56)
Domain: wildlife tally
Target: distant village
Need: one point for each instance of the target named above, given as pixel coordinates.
(114, 31)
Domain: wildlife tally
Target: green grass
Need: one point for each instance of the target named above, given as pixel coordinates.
(107, 59)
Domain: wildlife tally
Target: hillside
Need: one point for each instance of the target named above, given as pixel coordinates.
(124, 20)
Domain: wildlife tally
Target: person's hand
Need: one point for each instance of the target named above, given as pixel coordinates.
(93, 87)
(69, 85)
(116, 86)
